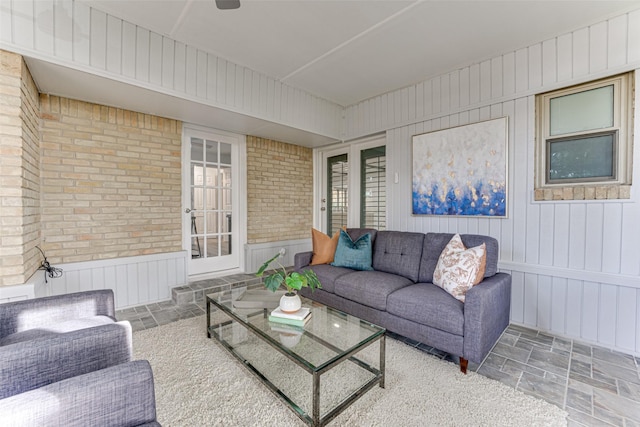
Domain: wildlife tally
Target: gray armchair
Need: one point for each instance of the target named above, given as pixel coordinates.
(59, 352)
(45, 340)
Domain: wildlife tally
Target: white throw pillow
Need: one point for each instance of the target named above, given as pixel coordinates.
(459, 268)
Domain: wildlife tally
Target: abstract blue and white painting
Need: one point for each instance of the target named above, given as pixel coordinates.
(461, 170)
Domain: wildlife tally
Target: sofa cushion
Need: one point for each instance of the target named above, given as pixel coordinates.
(324, 247)
(369, 288)
(327, 274)
(55, 329)
(354, 254)
(427, 304)
(356, 233)
(398, 253)
(434, 244)
(459, 268)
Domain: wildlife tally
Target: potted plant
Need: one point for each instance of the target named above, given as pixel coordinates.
(292, 281)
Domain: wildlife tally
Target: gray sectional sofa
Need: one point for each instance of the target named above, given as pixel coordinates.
(399, 294)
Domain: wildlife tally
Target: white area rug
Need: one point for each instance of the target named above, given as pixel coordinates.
(198, 383)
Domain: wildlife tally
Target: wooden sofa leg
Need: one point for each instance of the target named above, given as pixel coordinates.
(463, 365)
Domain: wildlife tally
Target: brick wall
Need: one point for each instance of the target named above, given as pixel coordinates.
(19, 172)
(111, 182)
(279, 191)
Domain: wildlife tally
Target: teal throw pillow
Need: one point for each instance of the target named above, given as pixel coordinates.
(355, 255)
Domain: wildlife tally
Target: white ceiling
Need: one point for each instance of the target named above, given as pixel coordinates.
(348, 50)
(344, 51)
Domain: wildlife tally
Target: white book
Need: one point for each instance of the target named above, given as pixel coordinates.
(298, 315)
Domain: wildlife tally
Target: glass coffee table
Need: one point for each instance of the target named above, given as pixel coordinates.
(318, 370)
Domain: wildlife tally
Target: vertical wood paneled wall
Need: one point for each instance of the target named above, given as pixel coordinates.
(135, 280)
(575, 265)
(75, 35)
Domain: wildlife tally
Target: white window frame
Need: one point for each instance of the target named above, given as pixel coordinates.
(622, 123)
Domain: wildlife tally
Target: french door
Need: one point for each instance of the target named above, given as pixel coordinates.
(212, 199)
(353, 187)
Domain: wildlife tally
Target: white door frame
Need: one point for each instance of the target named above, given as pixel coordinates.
(239, 194)
(352, 149)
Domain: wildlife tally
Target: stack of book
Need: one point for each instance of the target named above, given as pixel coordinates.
(299, 318)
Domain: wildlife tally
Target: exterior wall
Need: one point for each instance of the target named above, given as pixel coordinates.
(111, 182)
(105, 45)
(574, 263)
(19, 172)
(279, 191)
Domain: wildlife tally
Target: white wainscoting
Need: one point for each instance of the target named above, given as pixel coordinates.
(257, 253)
(135, 280)
(575, 264)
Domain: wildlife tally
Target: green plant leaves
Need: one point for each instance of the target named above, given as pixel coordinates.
(292, 281)
(273, 281)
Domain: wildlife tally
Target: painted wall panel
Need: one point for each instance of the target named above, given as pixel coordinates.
(81, 15)
(155, 59)
(485, 81)
(549, 65)
(98, 54)
(565, 57)
(201, 74)
(114, 45)
(44, 26)
(633, 37)
(191, 71)
(629, 263)
(611, 238)
(561, 224)
(617, 42)
(608, 307)
(581, 52)
(577, 235)
(625, 331)
(129, 34)
(143, 38)
(180, 68)
(23, 23)
(574, 308)
(535, 66)
(559, 290)
(590, 311)
(598, 47)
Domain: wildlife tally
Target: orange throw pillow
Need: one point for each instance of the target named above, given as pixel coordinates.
(324, 247)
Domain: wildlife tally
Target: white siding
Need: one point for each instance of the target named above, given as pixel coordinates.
(122, 51)
(575, 265)
(134, 280)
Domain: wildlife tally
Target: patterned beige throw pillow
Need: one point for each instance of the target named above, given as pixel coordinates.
(459, 268)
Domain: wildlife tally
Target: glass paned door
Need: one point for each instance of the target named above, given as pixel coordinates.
(373, 188)
(210, 198)
(211, 205)
(337, 192)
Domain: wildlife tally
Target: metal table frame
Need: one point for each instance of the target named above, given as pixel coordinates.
(314, 419)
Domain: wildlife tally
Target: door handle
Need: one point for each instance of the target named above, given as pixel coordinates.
(187, 210)
(323, 208)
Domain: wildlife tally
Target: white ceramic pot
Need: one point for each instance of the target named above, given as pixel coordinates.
(290, 302)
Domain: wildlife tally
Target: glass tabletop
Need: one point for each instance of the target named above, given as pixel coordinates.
(325, 338)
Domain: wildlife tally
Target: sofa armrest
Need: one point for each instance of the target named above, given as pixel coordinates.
(18, 316)
(121, 395)
(486, 315)
(41, 361)
(302, 260)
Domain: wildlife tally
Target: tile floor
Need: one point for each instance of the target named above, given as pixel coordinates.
(596, 386)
